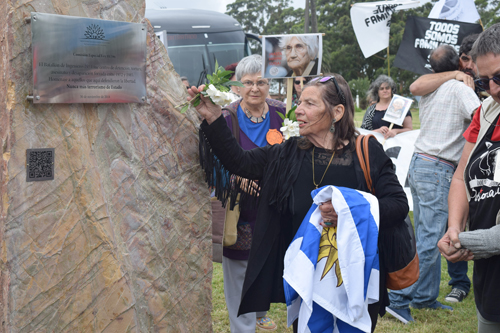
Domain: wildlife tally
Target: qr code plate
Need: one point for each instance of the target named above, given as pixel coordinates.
(39, 164)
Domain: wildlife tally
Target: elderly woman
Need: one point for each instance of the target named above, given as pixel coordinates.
(301, 53)
(249, 118)
(287, 173)
(475, 187)
(381, 92)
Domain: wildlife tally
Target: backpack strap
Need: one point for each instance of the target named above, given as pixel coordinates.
(364, 159)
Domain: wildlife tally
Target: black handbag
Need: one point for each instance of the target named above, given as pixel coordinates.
(397, 245)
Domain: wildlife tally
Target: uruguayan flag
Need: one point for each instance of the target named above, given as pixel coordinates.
(332, 275)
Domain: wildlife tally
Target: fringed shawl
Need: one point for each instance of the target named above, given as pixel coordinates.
(279, 178)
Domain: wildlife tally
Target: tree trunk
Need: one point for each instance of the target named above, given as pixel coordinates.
(314, 19)
(306, 17)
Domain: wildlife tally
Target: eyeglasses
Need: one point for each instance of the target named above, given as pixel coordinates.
(299, 47)
(250, 84)
(485, 83)
(325, 79)
(384, 88)
(298, 82)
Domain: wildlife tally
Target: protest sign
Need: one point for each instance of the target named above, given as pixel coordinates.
(422, 35)
(397, 110)
(372, 20)
(286, 56)
(400, 149)
(463, 11)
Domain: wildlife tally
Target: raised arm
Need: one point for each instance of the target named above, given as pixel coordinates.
(430, 82)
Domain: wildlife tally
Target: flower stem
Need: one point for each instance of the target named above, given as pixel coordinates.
(197, 96)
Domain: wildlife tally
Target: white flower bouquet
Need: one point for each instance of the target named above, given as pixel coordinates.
(290, 125)
(217, 89)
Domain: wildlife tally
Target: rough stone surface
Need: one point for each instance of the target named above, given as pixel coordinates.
(120, 240)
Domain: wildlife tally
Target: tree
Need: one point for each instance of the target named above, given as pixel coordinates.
(489, 10)
(341, 52)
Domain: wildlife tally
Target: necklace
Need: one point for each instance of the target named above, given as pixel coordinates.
(254, 119)
(331, 158)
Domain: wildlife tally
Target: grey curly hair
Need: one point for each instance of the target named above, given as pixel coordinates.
(375, 86)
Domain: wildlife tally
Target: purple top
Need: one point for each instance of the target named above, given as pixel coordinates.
(248, 217)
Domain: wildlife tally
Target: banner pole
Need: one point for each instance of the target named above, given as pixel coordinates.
(481, 22)
(390, 127)
(388, 63)
(289, 93)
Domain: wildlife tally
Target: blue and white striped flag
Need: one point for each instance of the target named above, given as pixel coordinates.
(332, 275)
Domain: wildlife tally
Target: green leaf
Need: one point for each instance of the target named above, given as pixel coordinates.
(291, 114)
(184, 108)
(234, 83)
(204, 93)
(209, 77)
(281, 115)
(196, 102)
(226, 73)
(216, 65)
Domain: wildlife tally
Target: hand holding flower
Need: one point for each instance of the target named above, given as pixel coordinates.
(217, 91)
(205, 107)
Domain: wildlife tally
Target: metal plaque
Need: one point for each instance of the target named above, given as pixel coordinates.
(82, 60)
(39, 164)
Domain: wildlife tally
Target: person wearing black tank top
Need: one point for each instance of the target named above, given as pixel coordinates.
(475, 189)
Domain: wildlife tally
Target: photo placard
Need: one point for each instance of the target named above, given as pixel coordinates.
(397, 110)
(288, 56)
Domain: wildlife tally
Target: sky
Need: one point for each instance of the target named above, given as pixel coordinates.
(215, 5)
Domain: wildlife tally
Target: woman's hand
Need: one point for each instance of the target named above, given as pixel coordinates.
(328, 215)
(206, 108)
(450, 247)
(390, 134)
(382, 130)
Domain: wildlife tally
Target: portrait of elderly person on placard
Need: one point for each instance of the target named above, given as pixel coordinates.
(301, 52)
(396, 109)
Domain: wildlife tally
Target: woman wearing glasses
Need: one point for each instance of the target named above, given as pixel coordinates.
(298, 84)
(287, 173)
(250, 119)
(381, 92)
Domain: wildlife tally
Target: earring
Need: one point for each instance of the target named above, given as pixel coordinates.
(332, 128)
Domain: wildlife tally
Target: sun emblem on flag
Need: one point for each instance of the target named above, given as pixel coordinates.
(328, 249)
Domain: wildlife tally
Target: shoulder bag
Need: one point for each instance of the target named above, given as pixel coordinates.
(397, 245)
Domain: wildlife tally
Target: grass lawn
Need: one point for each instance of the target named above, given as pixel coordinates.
(358, 118)
(462, 319)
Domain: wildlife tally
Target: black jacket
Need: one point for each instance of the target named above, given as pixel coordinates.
(277, 168)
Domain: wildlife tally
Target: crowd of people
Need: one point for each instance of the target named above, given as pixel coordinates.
(454, 177)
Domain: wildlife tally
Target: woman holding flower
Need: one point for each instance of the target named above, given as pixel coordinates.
(250, 119)
(287, 173)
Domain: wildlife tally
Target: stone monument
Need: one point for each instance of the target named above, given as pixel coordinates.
(120, 239)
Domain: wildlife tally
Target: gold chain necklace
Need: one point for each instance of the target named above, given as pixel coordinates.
(331, 158)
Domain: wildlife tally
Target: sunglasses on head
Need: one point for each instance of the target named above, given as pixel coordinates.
(325, 79)
(485, 83)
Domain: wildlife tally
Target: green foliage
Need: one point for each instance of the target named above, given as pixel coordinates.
(341, 52)
(489, 10)
(359, 87)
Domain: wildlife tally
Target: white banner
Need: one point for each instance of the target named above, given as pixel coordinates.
(372, 21)
(454, 10)
(400, 149)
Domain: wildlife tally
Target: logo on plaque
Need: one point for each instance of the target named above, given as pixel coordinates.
(94, 32)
